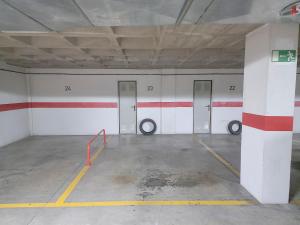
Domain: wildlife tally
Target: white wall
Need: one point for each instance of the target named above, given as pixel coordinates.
(87, 88)
(172, 86)
(14, 123)
(297, 107)
(168, 94)
(220, 116)
(103, 88)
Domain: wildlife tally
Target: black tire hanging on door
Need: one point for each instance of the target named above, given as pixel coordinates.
(230, 127)
(148, 120)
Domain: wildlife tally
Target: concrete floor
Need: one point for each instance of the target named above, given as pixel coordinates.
(167, 167)
(229, 147)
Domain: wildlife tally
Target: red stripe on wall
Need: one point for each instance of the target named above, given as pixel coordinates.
(74, 105)
(164, 104)
(24, 105)
(238, 104)
(13, 106)
(268, 123)
(227, 104)
(297, 103)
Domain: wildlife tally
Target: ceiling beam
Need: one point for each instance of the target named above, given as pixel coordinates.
(194, 52)
(162, 32)
(183, 11)
(29, 44)
(75, 46)
(118, 44)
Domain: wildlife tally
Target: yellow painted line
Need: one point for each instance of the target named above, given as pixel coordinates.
(227, 164)
(27, 205)
(129, 203)
(77, 179)
(158, 203)
(72, 185)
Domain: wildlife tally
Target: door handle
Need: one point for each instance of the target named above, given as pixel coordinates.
(208, 107)
(134, 107)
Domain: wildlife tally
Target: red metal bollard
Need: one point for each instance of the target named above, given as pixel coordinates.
(88, 162)
(104, 136)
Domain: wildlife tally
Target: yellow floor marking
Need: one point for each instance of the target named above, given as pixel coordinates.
(27, 205)
(158, 203)
(76, 180)
(128, 203)
(227, 164)
(72, 185)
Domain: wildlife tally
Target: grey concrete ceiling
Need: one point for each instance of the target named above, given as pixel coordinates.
(131, 33)
(59, 15)
(182, 46)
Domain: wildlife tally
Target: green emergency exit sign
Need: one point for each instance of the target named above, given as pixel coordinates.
(284, 55)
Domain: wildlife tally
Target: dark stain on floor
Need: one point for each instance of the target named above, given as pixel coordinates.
(157, 179)
(145, 194)
(123, 179)
(148, 159)
(185, 149)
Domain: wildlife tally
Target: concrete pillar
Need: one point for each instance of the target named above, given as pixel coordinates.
(268, 101)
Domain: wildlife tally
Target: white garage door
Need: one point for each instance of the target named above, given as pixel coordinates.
(202, 106)
(127, 107)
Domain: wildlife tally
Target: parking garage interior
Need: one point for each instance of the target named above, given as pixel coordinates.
(149, 112)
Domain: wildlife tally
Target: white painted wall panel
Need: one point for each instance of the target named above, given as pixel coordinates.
(103, 88)
(184, 93)
(74, 121)
(14, 124)
(222, 116)
(257, 67)
(84, 88)
(282, 75)
(297, 108)
(166, 88)
(168, 94)
(13, 87)
(221, 88)
(252, 180)
(88, 88)
(184, 121)
(148, 90)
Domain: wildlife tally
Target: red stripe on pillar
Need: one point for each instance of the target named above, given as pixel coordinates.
(227, 104)
(73, 105)
(13, 106)
(164, 104)
(268, 123)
